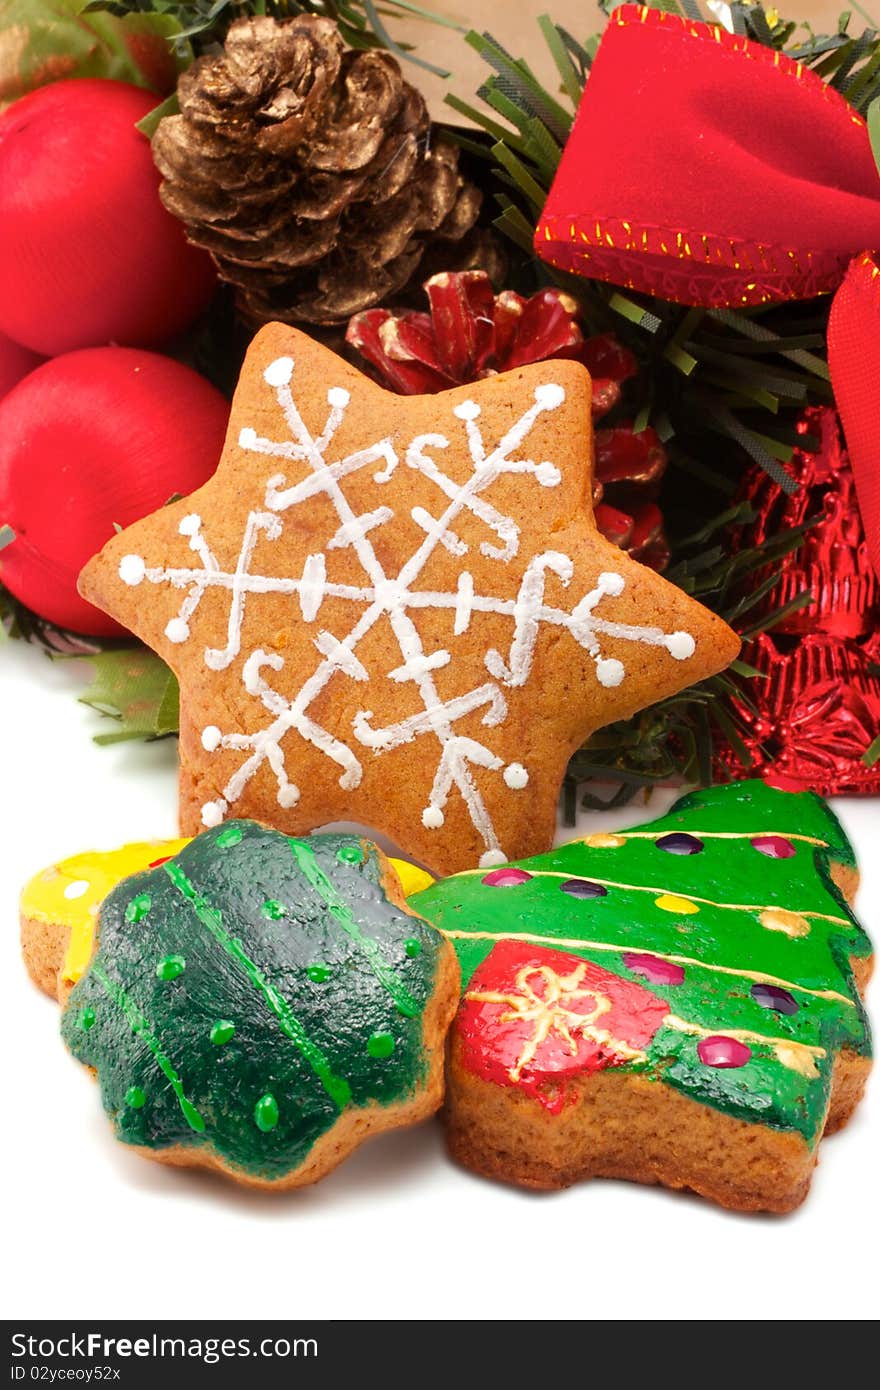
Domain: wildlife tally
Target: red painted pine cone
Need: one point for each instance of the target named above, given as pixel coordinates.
(469, 333)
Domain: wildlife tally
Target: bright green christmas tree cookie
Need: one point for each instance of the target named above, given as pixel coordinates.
(261, 1005)
(673, 1003)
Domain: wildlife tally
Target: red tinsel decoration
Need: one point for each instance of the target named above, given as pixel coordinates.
(818, 696)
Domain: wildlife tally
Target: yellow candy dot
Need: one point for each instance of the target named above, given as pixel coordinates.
(779, 919)
(603, 841)
(412, 878)
(670, 903)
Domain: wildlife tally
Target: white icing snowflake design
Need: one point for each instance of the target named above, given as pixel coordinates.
(394, 597)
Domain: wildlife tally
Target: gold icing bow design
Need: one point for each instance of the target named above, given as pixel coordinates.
(550, 1011)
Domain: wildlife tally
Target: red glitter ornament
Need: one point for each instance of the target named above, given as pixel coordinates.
(818, 696)
(470, 333)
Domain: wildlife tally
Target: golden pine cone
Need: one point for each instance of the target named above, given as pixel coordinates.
(310, 172)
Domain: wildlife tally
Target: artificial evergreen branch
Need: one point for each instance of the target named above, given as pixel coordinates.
(724, 389)
(361, 22)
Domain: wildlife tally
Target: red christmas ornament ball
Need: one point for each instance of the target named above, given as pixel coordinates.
(88, 254)
(15, 362)
(90, 441)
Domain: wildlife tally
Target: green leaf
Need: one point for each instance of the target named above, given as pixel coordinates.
(872, 753)
(169, 107)
(133, 687)
(873, 119)
(44, 40)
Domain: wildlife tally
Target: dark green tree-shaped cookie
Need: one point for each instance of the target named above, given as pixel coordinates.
(261, 1004)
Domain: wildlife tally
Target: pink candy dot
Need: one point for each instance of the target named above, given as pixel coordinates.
(719, 1051)
(659, 972)
(774, 846)
(506, 878)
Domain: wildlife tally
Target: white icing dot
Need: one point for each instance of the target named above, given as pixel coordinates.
(547, 474)
(213, 813)
(610, 672)
(516, 777)
(190, 524)
(549, 396)
(611, 584)
(77, 888)
(338, 396)
(288, 796)
(132, 569)
(247, 438)
(279, 372)
(468, 410)
(432, 818)
(681, 645)
(177, 630)
(492, 857)
(211, 738)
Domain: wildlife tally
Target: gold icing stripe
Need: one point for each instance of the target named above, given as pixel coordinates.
(677, 893)
(573, 944)
(797, 1056)
(713, 835)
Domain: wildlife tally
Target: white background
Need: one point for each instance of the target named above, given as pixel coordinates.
(398, 1231)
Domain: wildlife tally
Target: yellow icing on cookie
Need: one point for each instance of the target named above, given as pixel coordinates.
(412, 878)
(69, 894)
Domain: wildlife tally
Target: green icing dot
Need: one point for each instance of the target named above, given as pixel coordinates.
(135, 1098)
(232, 835)
(222, 1031)
(350, 854)
(266, 1112)
(319, 972)
(87, 1019)
(273, 910)
(170, 967)
(413, 947)
(380, 1045)
(138, 908)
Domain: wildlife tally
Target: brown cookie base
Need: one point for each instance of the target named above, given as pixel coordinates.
(43, 945)
(621, 1125)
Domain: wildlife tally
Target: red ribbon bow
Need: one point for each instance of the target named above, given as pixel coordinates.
(710, 170)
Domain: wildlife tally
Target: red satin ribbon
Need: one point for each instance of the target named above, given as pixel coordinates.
(710, 170)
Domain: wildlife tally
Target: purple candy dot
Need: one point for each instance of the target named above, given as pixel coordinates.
(653, 968)
(583, 888)
(506, 878)
(719, 1051)
(680, 843)
(774, 846)
(773, 997)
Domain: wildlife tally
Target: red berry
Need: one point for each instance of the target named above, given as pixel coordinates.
(88, 254)
(88, 441)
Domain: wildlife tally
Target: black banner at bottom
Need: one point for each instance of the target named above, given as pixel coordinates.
(195, 1354)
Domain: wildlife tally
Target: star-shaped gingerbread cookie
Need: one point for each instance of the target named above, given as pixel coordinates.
(398, 611)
